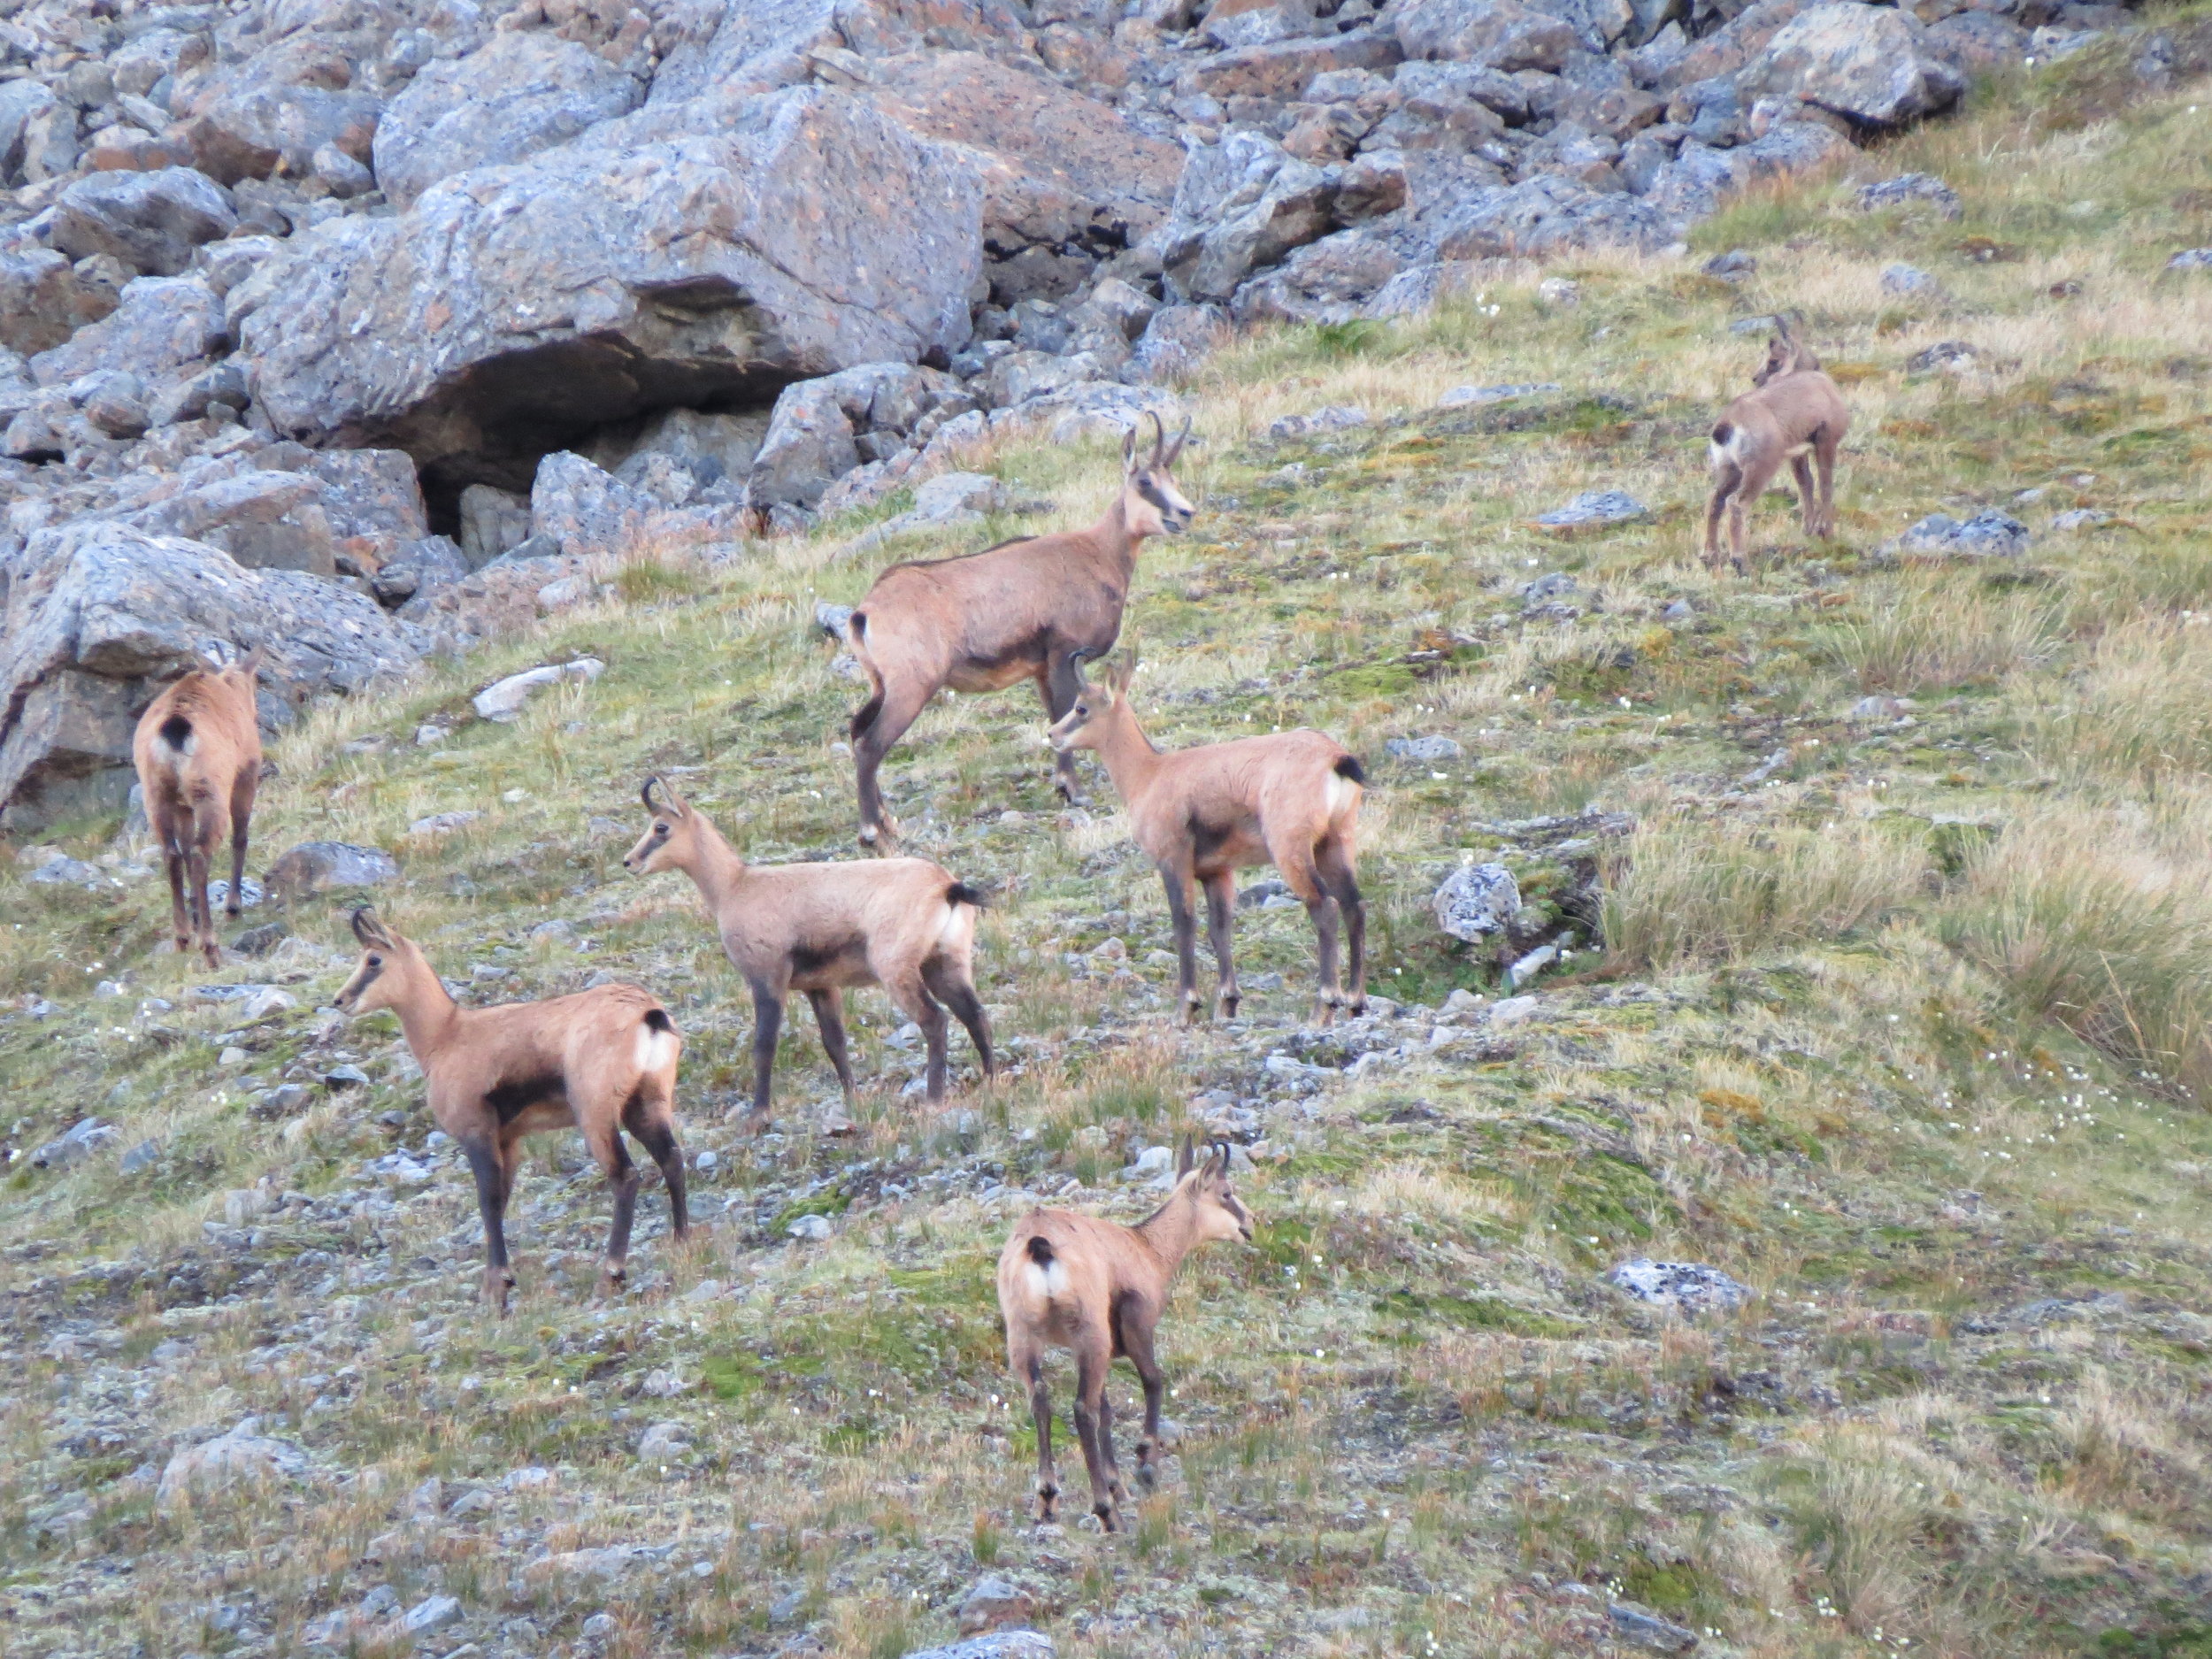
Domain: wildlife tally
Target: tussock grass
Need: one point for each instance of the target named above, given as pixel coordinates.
(1680, 894)
(2089, 919)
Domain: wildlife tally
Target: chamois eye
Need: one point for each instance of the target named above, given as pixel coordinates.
(660, 829)
(376, 962)
(1083, 708)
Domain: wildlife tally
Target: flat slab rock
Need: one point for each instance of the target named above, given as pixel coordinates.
(1989, 533)
(1598, 506)
(999, 1644)
(1690, 1286)
(503, 699)
(316, 866)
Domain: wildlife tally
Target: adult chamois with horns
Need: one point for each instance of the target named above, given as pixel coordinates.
(1097, 1288)
(904, 923)
(603, 1060)
(1028, 608)
(1794, 413)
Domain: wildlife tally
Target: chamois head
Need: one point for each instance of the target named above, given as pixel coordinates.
(1220, 1214)
(1151, 503)
(1787, 353)
(1096, 706)
(387, 961)
(667, 841)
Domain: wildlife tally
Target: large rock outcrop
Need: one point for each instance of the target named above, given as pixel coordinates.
(514, 309)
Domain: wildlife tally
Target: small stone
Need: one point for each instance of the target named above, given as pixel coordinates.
(1002, 1643)
(1642, 1628)
(1911, 187)
(442, 824)
(2081, 518)
(1876, 708)
(1336, 417)
(1911, 282)
(84, 1138)
(1678, 610)
(2190, 259)
(1690, 1286)
(832, 618)
(345, 1076)
(1514, 1008)
(233, 1055)
(1599, 507)
(1422, 748)
(433, 1612)
(993, 1603)
(474, 1501)
(429, 737)
(144, 1155)
(260, 941)
(1988, 533)
(555, 932)
(1560, 291)
(665, 1441)
(1473, 396)
(600, 1627)
(1945, 357)
(1529, 966)
(504, 700)
(810, 1229)
(1735, 265)
(526, 1479)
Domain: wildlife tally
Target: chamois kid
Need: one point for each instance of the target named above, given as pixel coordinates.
(603, 1060)
(1290, 799)
(1794, 413)
(1028, 608)
(1098, 1288)
(900, 922)
(198, 752)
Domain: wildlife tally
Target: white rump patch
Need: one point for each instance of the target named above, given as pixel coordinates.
(957, 931)
(655, 1049)
(1050, 1279)
(1339, 793)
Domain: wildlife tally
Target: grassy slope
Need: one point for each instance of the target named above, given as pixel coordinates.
(1828, 1055)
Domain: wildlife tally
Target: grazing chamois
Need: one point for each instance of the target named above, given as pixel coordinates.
(1290, 799)
(1794, 413)
(198, 752)
(1098, 1288)
(900, 922)
(1026, 609)
(603, 1060)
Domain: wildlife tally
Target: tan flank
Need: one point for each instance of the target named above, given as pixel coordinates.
(198, 752)
(1028, 608)
(900, 922)
(1098, 1288)
(603, 1060)
(1794, 413)
(1290, 799)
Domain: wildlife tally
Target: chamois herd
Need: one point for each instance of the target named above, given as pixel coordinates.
(1036, 607)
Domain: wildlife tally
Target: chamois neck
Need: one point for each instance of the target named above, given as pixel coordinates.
(427, 1014)
(1127, 753)
(1171, 1231)
(1112, 535)
(713, 863)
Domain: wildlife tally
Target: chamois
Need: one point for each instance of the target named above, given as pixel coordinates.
(198, 752)
(900, 922)
(603, 1060)
(1794, 412)
(1290, 799)
(1025, 609)
(1097, 1288)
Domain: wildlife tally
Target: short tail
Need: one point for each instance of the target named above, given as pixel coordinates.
(1724, 434)
(1349, 768)
(658, 1020)
(864, 716)
(658, 1042)
(176, 731)
(961, 893)
(1040, 1250)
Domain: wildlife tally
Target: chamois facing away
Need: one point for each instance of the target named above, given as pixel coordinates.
(1098, 1288)
(1794, 413)
(1290, 799)
(603, 1060)
(198, 753)
(1028, 608)
(900, 922)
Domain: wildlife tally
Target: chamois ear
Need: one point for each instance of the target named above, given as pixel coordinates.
(1185, 1157)
(249, 664)
(1129, 450)
(1175, 449)
(671, 802)
(368, 930)
(1120, 674)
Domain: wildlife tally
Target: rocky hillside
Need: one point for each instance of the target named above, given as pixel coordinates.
(1837, 933)
(367, 329)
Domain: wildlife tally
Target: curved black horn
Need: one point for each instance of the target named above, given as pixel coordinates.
(645, 792)
(1175, 449)
(364, 926)
(1159, 437)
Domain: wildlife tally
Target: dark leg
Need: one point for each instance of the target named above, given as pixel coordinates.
(951, 987)
(180, 918)
(622, 1176)
(1727, 477)
(491, 1200)
(1807, 502)
(203, 921)
(1177, 883)
(1138, 1345)
(829, 1020)
(1090, 1389)
(657, 1136)
(1060, 685)
(1335, 867)
(901, 707)
(241, 816)
(1041, 1413)
(1825, 445)
(1221, 898)
(767, 1025)
(1106, 1446)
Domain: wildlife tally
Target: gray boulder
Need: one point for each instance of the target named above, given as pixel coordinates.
(422, 567)
(264, 520)
(162, 325)
(1327, 281)
(1003, 1644)
(1594, 507)
(1498, 33)
(523, 92)
(822, 429)
(1544, 215)
(244, 1457)
(493, 521)
(243, 126)
(1869, 64)
(1688, 1286)
(83, 1139)
(1241, 205)
(151, 221)
(1176, 340)
(1911, 187)
(583, 509)
(97, 610)
(678, 257)
(43, 300)
(1477, 902)
(1989, 533)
